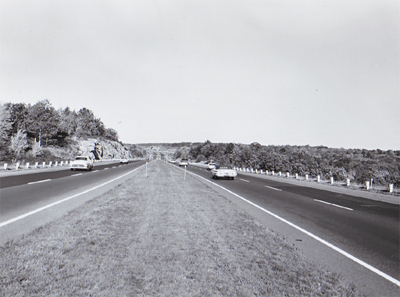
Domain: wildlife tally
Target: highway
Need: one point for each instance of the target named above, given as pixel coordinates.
(364, 228)
(28, 191)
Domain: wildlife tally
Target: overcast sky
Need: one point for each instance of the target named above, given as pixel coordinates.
(274, 72)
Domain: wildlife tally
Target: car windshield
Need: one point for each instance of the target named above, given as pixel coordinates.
(81, 158)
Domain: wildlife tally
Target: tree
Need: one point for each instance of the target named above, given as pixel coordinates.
(35, 149)
(88, 124)
(68, 121)
(19, 143)
(43, 120)
(111, 134)
(19, 114)
(5, 125)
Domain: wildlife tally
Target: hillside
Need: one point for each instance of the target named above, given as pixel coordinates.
(39, 132)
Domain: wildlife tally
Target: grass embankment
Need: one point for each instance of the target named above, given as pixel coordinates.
(160, 235)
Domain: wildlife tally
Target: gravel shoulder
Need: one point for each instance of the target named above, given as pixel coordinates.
(160, 236)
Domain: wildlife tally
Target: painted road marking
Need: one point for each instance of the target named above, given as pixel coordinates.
(106, 168)
(77, 174)
(40, 181)
(244, 180)
(335, 248)
(63, 200)
(276, 189)
(95, 171)
(334, 204)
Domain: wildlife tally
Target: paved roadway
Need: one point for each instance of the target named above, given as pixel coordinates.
(364, 228)
(30, 190)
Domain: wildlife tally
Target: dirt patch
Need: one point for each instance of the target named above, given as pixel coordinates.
(160, 236)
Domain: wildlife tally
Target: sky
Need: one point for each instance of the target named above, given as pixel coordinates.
(283, 72)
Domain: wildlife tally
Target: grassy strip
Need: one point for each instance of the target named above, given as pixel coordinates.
(160, 236)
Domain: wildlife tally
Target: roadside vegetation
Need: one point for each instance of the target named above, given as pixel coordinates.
(358, 165)
(161, 236)
(39, 132)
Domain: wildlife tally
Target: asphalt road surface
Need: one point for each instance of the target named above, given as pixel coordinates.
(364, 228)
(30, 191)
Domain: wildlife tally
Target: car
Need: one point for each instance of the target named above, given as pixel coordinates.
(223, 171)
(211, 166)
(184, 162)
(81, 162)
(124, 161)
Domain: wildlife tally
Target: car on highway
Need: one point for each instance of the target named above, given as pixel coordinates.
(211, 166)
(123, 161)
(184, 162)
(81, 162)
(223, 171)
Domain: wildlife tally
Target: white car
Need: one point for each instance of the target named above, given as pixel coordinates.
(184, 162)
(124, 161)
(81, 162)
(225, 171)
(211, 166)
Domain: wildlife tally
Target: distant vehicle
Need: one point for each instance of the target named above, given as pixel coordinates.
(124, 161)
(211, 166)
(223, 171)
(81, 162)
(184, 162)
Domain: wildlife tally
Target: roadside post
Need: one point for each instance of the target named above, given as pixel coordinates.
(184, 177)
(146, 169)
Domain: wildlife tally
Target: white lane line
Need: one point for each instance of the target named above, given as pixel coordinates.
(276, 189)
(244, 180)
(63, 200)
(334, 204)
(335, 248)
(106, 168)
(95, 171)
(77, 174)
(40, 181)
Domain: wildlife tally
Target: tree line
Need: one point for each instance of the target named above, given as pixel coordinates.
(358, 165)
(26, 128)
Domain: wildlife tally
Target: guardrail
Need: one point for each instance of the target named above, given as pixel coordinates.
(368, 184)
(28, 165)
(38, 165)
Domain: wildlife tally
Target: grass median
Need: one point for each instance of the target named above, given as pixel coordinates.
(160, 236)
